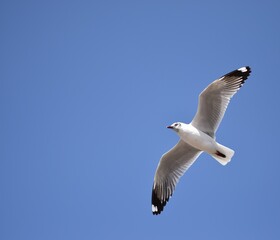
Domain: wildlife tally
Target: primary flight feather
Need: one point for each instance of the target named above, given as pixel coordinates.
(197, 137)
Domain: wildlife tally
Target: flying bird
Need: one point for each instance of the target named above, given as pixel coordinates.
(197, 136)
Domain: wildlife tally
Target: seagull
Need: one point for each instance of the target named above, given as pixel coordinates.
(197, 137)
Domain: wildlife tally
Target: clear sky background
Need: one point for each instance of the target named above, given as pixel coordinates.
(87, 89)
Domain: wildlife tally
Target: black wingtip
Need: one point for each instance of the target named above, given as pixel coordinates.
(246, 71)
(243, 72)
(157, 204)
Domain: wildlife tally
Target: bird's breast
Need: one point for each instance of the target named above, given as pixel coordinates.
(198, 139)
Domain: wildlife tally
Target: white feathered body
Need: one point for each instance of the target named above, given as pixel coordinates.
(205, 143)
(197, 138)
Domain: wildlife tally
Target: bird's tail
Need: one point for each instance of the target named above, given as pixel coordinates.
(223, 154)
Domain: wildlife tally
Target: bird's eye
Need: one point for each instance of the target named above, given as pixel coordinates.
(176, 124)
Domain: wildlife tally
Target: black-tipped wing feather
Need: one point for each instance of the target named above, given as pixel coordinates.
(214, 99)
(171, 167)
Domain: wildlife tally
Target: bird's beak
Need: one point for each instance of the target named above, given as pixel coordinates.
(170, 127)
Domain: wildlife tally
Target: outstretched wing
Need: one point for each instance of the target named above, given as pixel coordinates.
(171, 167)
(214, 99)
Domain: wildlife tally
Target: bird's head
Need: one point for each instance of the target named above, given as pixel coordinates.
(175, 126)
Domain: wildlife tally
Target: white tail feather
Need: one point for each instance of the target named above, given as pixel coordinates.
(223, 154)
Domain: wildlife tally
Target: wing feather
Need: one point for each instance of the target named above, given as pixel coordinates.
(214, 99)
(171, 167)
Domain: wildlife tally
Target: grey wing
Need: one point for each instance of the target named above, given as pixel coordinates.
(171, 167)
(214, 99)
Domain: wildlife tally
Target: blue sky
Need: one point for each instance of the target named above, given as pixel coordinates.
(87, 89)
